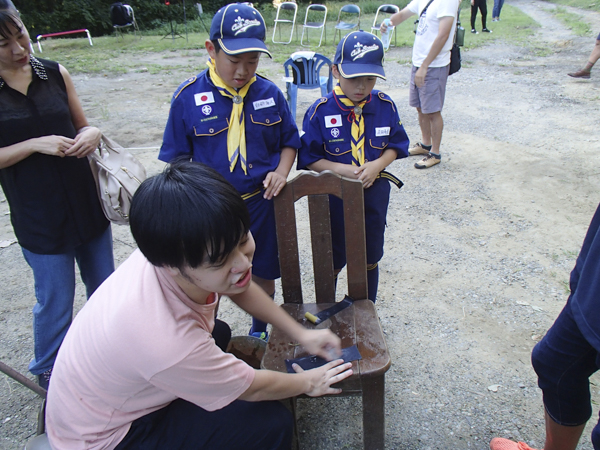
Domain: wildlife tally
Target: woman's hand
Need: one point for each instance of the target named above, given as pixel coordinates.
(85, 142)
(322, 343)
(52, 145)
(323, 377)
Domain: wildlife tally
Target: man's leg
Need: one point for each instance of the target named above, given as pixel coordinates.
(239, 425)
(436, 124)
(425, 125)
(594, 56)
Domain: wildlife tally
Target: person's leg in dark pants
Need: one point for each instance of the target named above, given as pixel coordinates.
(564, 361)
(483, 9)
(240, 425)
(474, 8)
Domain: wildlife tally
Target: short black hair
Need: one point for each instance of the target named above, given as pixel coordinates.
(187, 215)
(10, 19)
(215, 42)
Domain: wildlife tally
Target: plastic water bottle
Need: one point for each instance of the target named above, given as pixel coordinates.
(385, 37)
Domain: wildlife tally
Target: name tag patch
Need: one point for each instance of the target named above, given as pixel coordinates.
(382, 131)
(203, 98)
(333, 121)
(261, 104)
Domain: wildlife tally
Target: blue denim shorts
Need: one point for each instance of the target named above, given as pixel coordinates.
(564, 360)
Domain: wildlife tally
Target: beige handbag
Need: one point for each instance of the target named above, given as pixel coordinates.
(118, 174)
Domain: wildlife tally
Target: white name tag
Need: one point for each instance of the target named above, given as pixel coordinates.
(333, 121)
(382, 131)
(261, 104)
(203, 98)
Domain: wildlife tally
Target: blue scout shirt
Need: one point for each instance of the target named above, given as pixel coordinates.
(328, 129)
(198, 124)
(585, 285)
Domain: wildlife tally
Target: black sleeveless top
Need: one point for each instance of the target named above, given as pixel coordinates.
(53, 202)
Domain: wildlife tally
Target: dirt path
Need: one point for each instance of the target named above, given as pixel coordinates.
(478, 249)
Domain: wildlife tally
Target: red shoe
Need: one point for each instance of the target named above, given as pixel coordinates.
(507, 444)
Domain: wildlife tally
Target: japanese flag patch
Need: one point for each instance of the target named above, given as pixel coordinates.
(333, 121)
(203, 98)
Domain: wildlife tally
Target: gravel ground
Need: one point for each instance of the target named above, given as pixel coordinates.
(478, 248)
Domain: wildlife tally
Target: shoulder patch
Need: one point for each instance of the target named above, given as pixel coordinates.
(386, 98)
(313, 108)
(183, 85)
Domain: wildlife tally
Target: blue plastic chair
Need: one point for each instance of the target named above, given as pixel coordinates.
(347, 13)
(305, 74)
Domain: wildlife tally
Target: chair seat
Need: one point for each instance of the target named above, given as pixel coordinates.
(38, 443)
(314, 24)
(369, 339)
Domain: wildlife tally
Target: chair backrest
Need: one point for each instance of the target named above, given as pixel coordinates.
(287, 6)
(385, 9)
(350, 9)
(306, 72)
(319, 9)
(318, 187)
(121, 15)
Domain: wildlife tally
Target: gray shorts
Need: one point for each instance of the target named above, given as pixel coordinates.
(430, 97)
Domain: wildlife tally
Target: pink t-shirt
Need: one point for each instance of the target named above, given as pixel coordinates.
(138, 344)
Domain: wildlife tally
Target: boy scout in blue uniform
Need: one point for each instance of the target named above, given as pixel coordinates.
(240, 124)
(356, 132)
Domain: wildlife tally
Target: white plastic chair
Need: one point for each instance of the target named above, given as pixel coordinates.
(317, 9)
(384, 12)
(289, 9)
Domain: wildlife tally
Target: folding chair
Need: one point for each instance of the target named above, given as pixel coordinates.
(386, 11)
(302, 71)
(291, 9)
(350, 12)
(318, 10)
(122, 16)
(357, 324)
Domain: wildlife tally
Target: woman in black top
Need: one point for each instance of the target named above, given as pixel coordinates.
(46, 178)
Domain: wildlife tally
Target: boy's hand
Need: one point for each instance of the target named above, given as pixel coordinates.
(368, 172)
(323, 377)
(274, 183)
(322, 343)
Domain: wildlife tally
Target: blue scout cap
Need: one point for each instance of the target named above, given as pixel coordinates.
(239, 28)
(360, 54)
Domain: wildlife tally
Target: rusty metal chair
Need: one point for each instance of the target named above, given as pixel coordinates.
(356, 325)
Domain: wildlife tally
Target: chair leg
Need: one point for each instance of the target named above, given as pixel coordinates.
(293, 96)
(373, 398)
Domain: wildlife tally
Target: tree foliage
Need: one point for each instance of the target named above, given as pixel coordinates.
(48, 16)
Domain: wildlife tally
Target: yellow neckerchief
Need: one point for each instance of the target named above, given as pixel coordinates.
(358, 125)
(236, 135)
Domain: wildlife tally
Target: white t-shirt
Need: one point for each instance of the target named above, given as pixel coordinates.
(138, 344)
(427, 31)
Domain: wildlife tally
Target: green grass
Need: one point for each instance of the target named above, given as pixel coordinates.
(112, 56)
(592, 5)
(572, 21)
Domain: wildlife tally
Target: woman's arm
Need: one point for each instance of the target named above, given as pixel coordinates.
(50, 145)
(88, 137)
